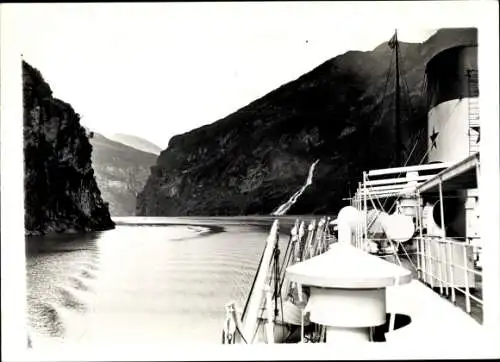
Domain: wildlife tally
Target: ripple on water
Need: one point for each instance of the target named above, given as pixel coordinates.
(78, 283)
(70, 300)
(89, 266)
(165, 289)
(84, 273)
(44, 317)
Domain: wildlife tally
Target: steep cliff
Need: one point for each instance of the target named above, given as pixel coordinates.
(341, 113)
(121, 173)
(61, 193)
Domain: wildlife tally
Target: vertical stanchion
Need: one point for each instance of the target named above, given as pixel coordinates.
(423, 256)
(365, 210)
(431, 261)
(443, 236)
(450, 270)
(419, 273)
(302, 327)
(466, 280)
(392, 317)
(419, 225)
(358, 226)
(269, 322)
(360, 223)
(440, 269)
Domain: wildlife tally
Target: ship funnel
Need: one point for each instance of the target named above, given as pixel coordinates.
(453, 104)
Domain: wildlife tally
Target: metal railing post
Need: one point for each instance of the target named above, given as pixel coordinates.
(423, 255)
(303, 313)
(440, 269)
(270, 319)
(356, 238)
(359, 225)
(365, 210)
(419, 225)
(450, 270)
(466, 281)
(428, 246)
(443, 236)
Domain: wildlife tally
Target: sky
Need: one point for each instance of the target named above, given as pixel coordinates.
(157, 70)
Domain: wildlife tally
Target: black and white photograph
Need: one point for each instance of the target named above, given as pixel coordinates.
(306, 180)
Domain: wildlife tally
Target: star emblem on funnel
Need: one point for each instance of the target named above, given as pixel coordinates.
(477, 129)
(433, 138)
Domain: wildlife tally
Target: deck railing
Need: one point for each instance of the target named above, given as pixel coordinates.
(449, 267)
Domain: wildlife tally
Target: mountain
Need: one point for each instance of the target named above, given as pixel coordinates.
(136, 142)
(121, 172)
(61, 194)
(253, 160)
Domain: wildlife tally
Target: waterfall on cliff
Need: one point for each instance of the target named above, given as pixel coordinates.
(282, 210)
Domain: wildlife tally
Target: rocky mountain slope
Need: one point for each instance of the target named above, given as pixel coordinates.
(136, 142)
(251, 161)
(61, 194)
(121, 173)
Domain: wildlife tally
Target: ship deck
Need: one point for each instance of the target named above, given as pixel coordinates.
(432, 316)
(476, 310)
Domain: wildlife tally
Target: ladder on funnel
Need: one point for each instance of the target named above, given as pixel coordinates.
(473, 111)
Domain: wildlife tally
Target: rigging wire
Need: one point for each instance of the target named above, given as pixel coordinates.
(276, 276)
(241, 334)
(263, 306)
(422, 159)
(253, 285)
(388, 76)
(380, 107)
(285, 256)
(417, 138)
(425, 86)
(283, 268)
(399, 196)
(429, 148)
(424, 93)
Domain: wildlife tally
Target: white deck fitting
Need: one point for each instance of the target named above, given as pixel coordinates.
(344, 266)
(347, 288)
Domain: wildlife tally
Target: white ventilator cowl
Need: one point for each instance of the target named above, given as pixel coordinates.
(347, 219)
(348, 215)
(398, 227)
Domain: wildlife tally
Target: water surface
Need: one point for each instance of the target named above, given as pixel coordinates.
(150, 280)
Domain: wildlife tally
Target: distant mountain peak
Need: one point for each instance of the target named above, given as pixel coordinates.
(135, 142)
(121, 172)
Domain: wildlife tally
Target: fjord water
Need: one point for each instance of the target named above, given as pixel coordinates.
(148, 281)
